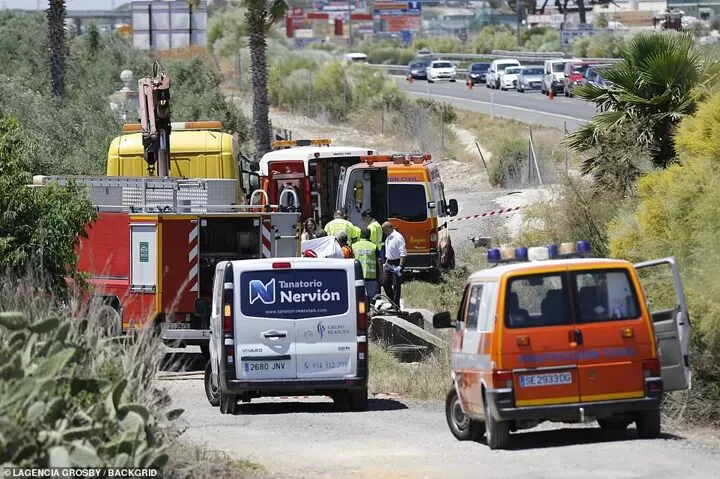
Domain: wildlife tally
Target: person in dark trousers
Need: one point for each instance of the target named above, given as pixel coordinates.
(395, 255)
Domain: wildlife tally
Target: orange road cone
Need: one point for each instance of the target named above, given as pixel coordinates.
(409, 78)
(551, 94)
(469, 84)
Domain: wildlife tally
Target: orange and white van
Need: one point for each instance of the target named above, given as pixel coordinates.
(406, 190)
(555, 336)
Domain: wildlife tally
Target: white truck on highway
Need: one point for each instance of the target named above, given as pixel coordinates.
(497, 67)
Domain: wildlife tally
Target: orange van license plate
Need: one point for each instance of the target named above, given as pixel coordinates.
(545, 379)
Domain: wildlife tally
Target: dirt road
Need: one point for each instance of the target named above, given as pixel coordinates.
(310, 438)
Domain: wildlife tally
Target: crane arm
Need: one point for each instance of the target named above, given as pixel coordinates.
(154, 92)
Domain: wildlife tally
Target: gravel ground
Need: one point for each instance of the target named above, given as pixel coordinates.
(310, 438)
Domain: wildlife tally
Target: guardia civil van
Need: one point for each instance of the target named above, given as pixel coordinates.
(287, 326)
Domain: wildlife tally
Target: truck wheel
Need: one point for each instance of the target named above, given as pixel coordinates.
(461, 426)
(228, 403)
(359, 399)
(205, 351)
(109, 320)
(212, 392)
(497, 433)
(648, 424)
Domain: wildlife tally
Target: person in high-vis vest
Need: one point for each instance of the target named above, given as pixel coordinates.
(366, 253)
(339, 223)
(376, 232)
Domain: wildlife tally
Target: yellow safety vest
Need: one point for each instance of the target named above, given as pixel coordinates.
(376, 233)
(366, 252)
(338, 224)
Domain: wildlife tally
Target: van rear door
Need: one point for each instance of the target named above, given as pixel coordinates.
(611, 335)
(538, 341)
(326, 318)
(671, 321)
(264, 328)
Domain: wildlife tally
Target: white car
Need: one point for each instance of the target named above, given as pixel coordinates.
(441, 70)
(492, 78)
(509, 78)
(287, 326)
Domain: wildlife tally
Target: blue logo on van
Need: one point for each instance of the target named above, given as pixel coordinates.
(265, 292)
(294, 294)
(321, 329)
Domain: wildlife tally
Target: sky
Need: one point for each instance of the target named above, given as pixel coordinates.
(71, 4)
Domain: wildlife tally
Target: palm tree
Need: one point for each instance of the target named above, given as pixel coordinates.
(261, 15)
(655, 85)
(58, 49)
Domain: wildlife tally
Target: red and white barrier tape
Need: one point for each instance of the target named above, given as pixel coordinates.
(486, 214)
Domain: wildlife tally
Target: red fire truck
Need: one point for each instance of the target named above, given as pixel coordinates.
(153, 249)
(309, 168)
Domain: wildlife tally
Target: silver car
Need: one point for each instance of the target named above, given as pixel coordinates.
(530, 78)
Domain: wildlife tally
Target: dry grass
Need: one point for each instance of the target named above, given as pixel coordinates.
(426, 381)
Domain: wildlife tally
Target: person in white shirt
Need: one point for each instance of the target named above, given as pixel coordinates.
(395, 255)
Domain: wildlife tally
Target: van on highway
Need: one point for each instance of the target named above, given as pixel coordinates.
(287, 326)
(497, 67)
(554, 75)
(555, 335)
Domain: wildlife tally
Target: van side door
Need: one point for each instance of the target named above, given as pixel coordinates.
(216, 334)
(671, 322)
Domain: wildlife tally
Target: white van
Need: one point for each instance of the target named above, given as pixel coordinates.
(350, 58)
(287, 326)
(497, 67)
(554, 75)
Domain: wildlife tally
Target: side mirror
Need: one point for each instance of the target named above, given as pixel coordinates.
(453, 207)
(202, 308)
(254, 166)
(431, 204)
(442, 320)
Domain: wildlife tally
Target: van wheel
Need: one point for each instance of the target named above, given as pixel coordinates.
(497, 433)
(461, 426)
(212, 392)
(359, 399)
(648, 424)
(613, 424)
(228, 403)
(205, 351)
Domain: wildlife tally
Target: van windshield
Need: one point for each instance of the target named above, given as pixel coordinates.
(407, 202)
(604, 296)
(558, 67)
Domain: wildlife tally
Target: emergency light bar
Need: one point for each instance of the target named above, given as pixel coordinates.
(306, 142)
(177, 126)
(397, 158)
(581, 249)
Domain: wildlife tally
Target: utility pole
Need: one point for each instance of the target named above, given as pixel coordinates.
(350, 38)
(519, 20)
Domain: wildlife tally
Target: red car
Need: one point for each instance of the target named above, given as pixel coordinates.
(574, 72)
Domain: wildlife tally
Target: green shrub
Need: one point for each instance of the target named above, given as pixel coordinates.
(437, 108)
(58, 405)
(677, 216)
(508, 162)
(603, 45)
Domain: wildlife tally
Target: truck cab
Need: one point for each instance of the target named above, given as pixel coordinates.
(406, 190)
(200, 149)
(311, 170)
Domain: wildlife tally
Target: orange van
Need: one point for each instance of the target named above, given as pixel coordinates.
(558, 336)
(406, 190)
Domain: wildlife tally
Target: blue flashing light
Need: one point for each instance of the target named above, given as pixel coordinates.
(493, 255)
(583, 247)
(552, 251)
(521, 254)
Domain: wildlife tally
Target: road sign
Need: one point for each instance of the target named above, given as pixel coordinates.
(414, 7)
(567, 36)
(406, 38)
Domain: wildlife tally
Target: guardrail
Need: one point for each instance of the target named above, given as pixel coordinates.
(518, 55)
